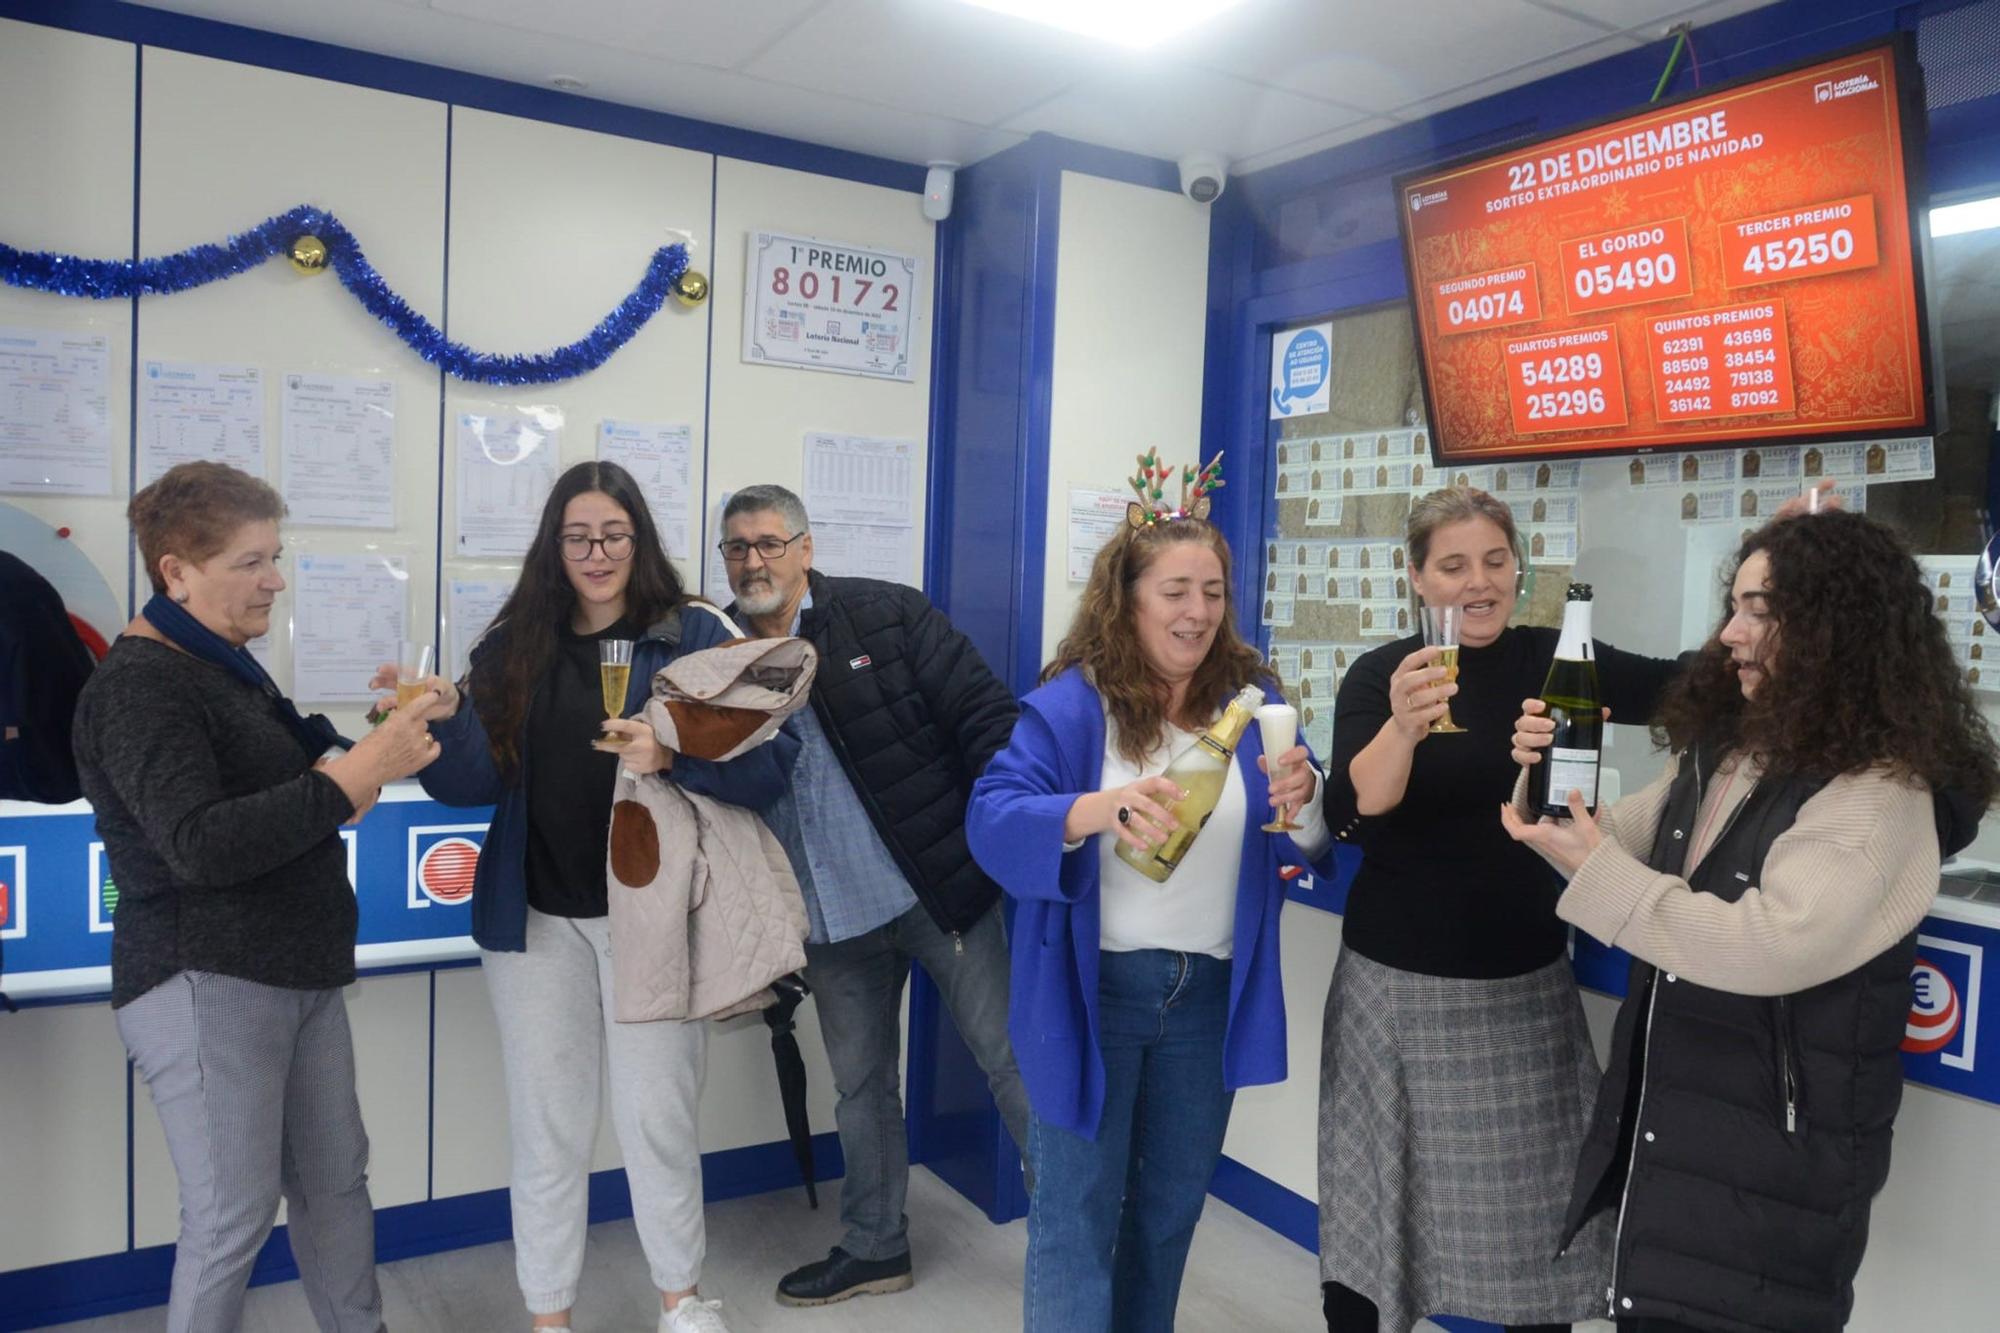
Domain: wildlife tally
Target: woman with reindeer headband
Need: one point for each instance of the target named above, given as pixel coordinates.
(1138, 1007)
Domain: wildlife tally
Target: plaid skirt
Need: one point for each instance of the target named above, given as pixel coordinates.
(1450, 1114)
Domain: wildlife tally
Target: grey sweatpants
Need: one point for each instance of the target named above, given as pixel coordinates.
(557, 1038)
(254, 1086)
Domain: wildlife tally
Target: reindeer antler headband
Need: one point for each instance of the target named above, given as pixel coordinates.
(1150, 482)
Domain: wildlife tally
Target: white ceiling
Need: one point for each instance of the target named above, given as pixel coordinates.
(925, 80)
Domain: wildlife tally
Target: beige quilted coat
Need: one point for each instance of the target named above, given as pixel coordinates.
(705, 911)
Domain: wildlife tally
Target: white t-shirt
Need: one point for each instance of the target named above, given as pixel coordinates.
(1195, 910)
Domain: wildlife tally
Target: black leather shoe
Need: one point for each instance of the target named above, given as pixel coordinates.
(841, 1275)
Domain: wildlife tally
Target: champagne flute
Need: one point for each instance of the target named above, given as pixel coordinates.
(614, 672)
(413, 665)
(1278, 725)
(1441, 632)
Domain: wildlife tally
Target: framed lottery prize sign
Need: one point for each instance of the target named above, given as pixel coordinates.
(822, 305)
(1739, 266)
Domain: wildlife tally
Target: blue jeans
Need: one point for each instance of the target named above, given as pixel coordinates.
(1111, 1219)
(858, 986)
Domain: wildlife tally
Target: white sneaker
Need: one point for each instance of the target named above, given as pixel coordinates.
(693, 1315)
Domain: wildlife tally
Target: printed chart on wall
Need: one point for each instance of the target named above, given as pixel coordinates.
(55, 431)
(861, 495)
(1733, 267)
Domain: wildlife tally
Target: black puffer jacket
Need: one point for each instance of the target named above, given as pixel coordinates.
(914, 714)
(1762, 1123)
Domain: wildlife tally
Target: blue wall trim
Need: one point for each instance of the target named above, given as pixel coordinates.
(1263, 1199)
(225, 41)
(87, 1288)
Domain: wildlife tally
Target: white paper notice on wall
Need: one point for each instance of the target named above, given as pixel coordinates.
(1301, 371)
(507, 462)
(823, 305)
(339, 447)
(55, 429)
(714, 569)
(1094, 519)
(660, 458)
(194, 411)
(857, 479)
(469, 608)
(348, 613)
(866, 551)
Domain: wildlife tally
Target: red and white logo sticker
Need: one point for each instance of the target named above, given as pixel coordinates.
(13, 893)
(1943, 1023)
(443, 859)
(445, 872)
(1936, 1010)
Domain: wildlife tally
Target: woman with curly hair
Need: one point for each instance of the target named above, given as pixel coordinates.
(1138, 1008)
(1769, 888)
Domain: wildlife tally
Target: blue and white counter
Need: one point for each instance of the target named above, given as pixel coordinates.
(410, 859)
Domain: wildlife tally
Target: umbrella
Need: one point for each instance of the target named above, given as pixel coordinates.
(791, 989)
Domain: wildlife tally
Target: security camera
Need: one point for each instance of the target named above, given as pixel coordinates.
(1203, 176)
(938, 183)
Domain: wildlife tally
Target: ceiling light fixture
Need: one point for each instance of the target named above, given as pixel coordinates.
(1134, 23)
(1972, 215)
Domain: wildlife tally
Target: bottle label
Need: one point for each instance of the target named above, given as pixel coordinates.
(1572, 770)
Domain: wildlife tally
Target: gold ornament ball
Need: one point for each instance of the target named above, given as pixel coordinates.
(691, 288)
(309, 254)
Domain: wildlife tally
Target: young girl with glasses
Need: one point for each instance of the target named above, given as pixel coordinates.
(525, 732)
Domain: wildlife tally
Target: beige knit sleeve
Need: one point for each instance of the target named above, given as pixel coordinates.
(1853, 875)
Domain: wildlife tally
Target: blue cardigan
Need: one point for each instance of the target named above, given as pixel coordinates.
(464, 774)
(1014, 825)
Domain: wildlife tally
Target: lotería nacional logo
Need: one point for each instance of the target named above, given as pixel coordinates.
(443, 860)
(1944, 1004)
(1832, 90)
(1420, 201)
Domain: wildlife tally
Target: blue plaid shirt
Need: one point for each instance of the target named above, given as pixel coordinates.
(852, 885)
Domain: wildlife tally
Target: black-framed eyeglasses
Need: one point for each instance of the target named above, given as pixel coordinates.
(577, 548)
(736, 550)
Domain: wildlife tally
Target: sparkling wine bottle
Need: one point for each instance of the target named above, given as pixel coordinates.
(1201, 771)
(1570, 692)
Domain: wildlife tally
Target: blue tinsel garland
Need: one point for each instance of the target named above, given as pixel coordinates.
(119, 279)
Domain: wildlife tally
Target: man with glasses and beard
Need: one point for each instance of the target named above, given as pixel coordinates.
(904, 716)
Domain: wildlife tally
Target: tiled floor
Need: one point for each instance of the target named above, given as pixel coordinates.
(1241, 1277)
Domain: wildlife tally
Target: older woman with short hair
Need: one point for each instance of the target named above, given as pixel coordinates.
(220, 809)
(1138, 1007)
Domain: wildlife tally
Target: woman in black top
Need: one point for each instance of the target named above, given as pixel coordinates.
(1457, 1069)
(220, 809)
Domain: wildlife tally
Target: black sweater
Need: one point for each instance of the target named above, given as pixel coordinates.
(570, 784)
(1442, 889)
(223, 841)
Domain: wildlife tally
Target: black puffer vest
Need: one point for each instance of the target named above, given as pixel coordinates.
(1742, 1138)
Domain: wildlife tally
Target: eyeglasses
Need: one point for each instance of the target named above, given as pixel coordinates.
(736, 550)
(576, 547)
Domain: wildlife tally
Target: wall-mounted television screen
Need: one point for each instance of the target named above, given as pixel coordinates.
(1738, 266)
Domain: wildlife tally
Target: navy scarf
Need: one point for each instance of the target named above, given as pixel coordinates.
(315, 734)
